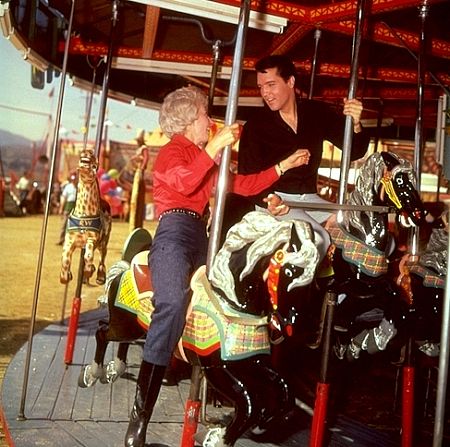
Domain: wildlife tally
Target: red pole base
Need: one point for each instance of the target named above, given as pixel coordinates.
(190, 422)
(320, 414)
(408, 406)
(72, 331)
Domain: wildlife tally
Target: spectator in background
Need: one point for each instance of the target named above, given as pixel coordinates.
(23, 187)
(67, 204)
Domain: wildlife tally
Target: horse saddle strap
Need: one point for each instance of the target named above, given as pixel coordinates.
(76, 223)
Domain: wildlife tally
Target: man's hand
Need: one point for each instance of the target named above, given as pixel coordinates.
(275, 205)
(354, 108)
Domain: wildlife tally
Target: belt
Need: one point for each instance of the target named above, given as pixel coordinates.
(191, 213)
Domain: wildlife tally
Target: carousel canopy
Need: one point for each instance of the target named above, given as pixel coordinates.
(160, 45)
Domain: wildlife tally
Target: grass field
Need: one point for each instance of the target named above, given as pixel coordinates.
(20, 281)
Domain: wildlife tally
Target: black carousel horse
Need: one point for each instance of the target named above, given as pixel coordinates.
(371, 309)
(235, 313)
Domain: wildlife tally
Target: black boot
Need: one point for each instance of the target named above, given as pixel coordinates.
(147, 390)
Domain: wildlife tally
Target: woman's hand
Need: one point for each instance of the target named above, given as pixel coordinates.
(223, 137)
(298, 158)
(275, 205)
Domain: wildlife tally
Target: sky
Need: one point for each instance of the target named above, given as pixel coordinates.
(31, 112)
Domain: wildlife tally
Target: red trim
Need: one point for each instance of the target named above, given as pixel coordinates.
(190, 424)
(202, 352)
(4, 425)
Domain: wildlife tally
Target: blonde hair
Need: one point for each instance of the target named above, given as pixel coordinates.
(181, 108)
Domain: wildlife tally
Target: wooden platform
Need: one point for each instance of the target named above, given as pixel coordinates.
(59, 413)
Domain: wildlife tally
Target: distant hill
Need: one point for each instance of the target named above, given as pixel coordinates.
(16, 152)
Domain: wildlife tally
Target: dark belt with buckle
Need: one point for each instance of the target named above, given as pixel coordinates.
(191, 213)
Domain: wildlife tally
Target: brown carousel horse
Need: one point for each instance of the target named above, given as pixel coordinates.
(89, 223)
(234, 315)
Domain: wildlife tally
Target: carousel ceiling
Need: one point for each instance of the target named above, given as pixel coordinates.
(159, 45)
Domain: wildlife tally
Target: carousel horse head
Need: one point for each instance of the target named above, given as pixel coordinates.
(87, 167)
(261, 261)
(384, 179)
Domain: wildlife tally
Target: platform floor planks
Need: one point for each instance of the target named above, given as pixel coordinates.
(59, 413)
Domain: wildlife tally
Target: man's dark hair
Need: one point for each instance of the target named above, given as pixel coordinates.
(283, 64)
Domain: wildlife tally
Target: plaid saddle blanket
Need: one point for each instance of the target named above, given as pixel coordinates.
(370, 260)
(210, 323)
(430, 278)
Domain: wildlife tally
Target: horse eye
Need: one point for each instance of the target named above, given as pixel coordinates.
(399, 180)
(288, 273)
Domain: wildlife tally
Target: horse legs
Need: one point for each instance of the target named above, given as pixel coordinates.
(224, 378)
(89, 257)
(275, 396)
(115, 368)
(258, 393)
(103, 247)
(66, 259)
(91, 373)
(101, 270)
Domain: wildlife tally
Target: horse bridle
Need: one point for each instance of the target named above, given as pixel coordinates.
(278, 325)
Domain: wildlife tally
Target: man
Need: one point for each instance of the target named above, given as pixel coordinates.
(287, 123)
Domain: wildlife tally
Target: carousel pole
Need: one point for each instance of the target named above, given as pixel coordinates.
(85, 139)
(21, 415)
(348, 131)
(408, 373)
(317, 36)
(137, 199)
(216, 60)
(230, 117)
(322, 390)
(105, 86)
(87, 120)
(76, 302)
(193, 403)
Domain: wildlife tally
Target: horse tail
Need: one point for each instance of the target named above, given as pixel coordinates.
(116, 269)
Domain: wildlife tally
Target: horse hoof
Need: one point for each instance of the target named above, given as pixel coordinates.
(212, 437)
(101, 279)
(114, 370)
(86, 379)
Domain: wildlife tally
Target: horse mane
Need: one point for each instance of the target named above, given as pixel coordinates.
(265, 234)
(435, 255)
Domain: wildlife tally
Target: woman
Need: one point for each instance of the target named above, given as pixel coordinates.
(185, 173)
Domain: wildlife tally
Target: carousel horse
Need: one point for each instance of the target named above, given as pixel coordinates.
(235, 312)
(370, 307)
(427, 279)
(89, 223)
